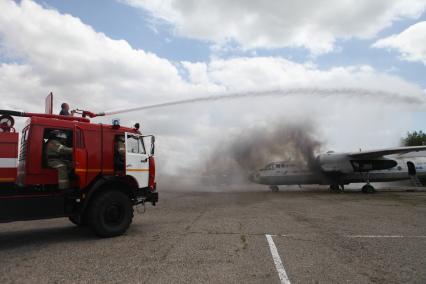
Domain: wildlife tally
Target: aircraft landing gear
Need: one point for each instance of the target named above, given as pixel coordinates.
(337, 188)
(274, 188)
(368, 188)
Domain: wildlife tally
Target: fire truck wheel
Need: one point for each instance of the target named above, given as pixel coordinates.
(75, 220)
(110, 214)
(78, 221)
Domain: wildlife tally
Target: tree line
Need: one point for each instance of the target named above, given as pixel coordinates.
(414, 139)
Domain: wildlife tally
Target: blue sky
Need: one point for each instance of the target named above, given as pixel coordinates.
(120, 21)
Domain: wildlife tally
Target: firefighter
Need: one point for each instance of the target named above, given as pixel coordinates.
(65, 109)
(120, 152)
(58, 156)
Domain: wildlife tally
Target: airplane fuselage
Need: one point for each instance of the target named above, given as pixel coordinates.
(342, 170)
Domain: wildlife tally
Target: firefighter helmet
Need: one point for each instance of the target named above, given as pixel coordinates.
(58, 134)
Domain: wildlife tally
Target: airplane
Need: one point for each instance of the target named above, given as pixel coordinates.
(340, 169)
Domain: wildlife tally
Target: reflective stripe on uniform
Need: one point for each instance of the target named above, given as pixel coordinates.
(58, 166)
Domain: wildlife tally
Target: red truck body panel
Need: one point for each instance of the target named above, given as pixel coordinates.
(93, 146)
(8, 156)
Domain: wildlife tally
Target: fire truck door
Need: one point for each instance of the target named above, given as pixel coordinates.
(80, 157)
(137, 164)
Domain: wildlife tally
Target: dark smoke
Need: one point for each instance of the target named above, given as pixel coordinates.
(254, 148)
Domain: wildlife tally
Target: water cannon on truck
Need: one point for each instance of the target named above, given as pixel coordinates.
(111, 169)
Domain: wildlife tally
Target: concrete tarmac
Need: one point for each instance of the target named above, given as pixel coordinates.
(218, 236)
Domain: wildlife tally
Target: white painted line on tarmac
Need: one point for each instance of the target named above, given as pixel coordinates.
(277, 261)
(385, 236)
(365, 236)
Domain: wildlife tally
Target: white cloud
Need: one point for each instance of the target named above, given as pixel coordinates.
(58, 52)
(411, 43)
(312, 24)
(266, 73)
(66, 55)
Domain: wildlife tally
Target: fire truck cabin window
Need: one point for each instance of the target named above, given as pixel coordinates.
(135, 145)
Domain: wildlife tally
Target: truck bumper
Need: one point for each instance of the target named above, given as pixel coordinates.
(146, 195)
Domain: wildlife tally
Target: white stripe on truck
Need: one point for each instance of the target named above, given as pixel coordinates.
(8, 163)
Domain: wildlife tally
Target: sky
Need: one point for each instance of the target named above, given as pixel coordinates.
(113, 54)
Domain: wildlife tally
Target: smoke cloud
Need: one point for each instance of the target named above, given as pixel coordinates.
(253, 148)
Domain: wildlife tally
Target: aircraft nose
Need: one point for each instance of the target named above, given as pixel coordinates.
(252, 176)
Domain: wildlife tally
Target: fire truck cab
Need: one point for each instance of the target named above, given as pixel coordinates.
(104, 185)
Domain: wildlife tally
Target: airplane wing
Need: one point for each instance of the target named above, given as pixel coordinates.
(385, 152)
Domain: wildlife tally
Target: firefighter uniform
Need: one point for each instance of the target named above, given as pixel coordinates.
(121, 148)
(56, 158)
(120, 152)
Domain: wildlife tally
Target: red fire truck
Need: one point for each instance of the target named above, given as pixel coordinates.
(103, 191)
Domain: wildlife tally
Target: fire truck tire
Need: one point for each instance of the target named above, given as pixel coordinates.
(78, 221)
(110, 214)
(75, 220)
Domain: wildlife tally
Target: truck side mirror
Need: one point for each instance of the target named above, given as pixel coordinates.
(152, 145)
